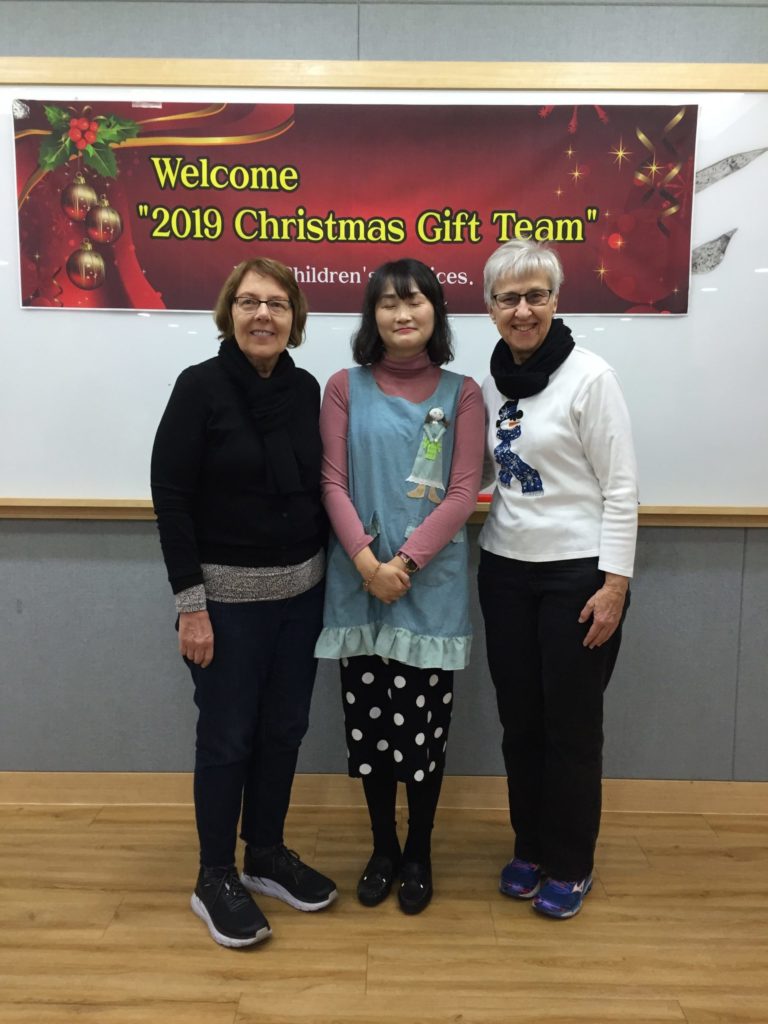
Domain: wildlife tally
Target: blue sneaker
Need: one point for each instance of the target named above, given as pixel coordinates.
(562, 899)
(520, 879)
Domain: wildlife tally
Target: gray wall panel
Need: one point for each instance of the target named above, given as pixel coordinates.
(751, 754)
(592, 32)
(87, 28)
(90, 678)
(671, 703)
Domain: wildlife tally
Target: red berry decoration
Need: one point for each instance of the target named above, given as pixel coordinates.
(83, 124)
(90, 136)
(73, 122)
(75, 134)
(81, 143)
(94, 126)
(103, 222)
(78, 197)
(85, 268)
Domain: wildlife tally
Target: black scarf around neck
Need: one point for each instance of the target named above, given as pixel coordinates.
(272, 402)
(532, 376)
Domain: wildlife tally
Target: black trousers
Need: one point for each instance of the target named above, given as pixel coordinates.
(254, 701)
(549, 691)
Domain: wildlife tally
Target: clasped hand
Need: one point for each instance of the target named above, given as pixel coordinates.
(391, 581)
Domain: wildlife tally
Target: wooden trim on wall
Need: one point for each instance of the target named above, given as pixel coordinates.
(668, 796)
(132, 509)
(310, 74)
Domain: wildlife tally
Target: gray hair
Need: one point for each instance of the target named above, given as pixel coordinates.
(521, 258)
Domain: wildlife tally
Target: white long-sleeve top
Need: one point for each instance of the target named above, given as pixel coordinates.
(577, 435)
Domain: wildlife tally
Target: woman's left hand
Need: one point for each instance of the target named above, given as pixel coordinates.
(605, 608)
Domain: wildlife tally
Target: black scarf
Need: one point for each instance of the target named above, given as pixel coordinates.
(272, 403)
(532, 376)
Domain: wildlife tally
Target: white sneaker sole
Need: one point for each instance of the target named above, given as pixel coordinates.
(199, 908)
(268, 887)
(566, 915)
(519, 895)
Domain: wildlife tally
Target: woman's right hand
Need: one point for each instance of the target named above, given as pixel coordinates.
(196, 638)
(389, 582)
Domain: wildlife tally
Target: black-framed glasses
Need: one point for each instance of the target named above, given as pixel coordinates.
(535, 297)
(249, 304)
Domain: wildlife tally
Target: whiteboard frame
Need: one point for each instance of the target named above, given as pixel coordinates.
(423, 75)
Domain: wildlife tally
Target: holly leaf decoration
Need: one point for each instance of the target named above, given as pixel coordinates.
(114, 129)
(101, 159)
(57, 118)
(54, 151)
(59, 147)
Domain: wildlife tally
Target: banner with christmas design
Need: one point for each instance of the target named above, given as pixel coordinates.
(148, 206)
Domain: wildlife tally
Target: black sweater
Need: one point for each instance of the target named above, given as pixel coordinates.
(209, 480)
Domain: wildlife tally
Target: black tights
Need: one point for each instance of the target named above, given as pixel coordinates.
(381, 797)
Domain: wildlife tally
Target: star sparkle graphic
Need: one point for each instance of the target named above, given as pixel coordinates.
(577, 174)
(653, 168)
(619, 153)
(601, 271)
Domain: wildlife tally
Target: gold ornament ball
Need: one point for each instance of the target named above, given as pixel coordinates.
(85, 268)
(77, 198)
(103, 223)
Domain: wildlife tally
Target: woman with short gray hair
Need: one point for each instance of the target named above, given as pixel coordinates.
(557, 555)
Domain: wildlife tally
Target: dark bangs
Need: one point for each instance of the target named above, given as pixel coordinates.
(367, 346)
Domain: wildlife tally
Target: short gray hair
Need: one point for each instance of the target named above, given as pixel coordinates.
(521, 258)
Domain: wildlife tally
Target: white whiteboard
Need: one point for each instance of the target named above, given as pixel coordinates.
(81, 393)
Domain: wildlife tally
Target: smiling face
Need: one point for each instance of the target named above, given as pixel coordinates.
(525, 327)
(262, 334)
(405, 325)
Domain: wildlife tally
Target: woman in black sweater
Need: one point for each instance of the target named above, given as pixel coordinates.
(236, 490)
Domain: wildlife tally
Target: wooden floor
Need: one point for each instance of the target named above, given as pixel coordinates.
(95, 927)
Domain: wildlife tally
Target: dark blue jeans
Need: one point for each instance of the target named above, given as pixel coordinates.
(253, 702)
(549, 692)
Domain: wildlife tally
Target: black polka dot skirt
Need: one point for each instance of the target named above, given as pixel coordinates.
(396, 717)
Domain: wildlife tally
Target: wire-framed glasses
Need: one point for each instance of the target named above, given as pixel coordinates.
(535, 297)
(249, 304)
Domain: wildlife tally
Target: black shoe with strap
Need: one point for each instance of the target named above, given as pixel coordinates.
(415, 890)
(376, 880)
(280, 872)
(221, 901)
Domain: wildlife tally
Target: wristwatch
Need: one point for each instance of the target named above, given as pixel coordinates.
(408, 563)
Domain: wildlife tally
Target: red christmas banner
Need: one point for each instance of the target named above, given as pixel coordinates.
(148, 206)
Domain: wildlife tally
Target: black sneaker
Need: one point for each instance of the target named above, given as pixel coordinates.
(233, 919)
(277, 871)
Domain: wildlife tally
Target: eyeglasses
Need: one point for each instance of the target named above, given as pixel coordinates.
(509, 300)
(248, 304)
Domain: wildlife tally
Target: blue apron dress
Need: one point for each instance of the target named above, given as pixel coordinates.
(428, 628)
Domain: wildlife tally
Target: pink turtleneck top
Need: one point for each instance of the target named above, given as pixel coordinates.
(414, 379)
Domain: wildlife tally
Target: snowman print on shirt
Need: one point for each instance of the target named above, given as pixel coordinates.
(508, 429)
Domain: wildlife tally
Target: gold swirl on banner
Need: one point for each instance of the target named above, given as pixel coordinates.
(210, 111)
(211, 140)
(54, 282)
(168, 140)
(650, 179)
